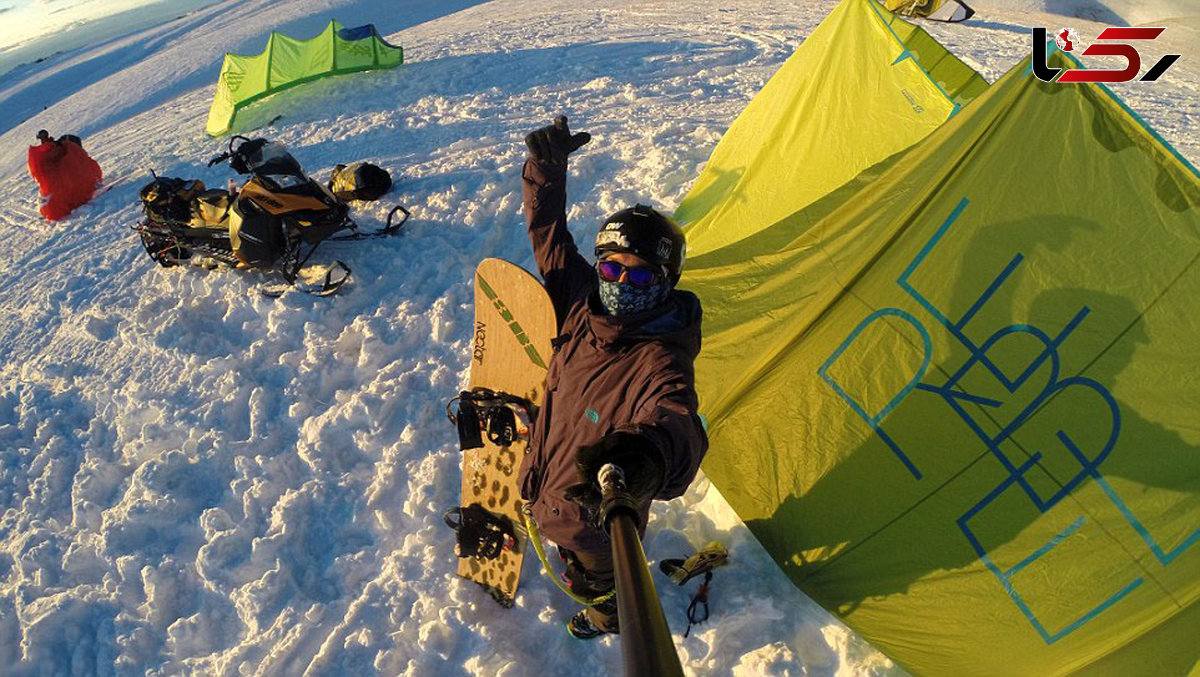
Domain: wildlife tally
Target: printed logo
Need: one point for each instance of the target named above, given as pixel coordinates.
(611, 237)
(1068, 41)
(234, 76)
(912, 101)
(664, 248)
(998, 402)
(480, 341)
(515, 327)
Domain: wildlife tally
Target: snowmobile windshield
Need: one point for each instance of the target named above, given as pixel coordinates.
(273, 159)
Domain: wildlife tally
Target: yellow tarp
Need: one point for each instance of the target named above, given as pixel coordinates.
(956, 396)
(863, 86)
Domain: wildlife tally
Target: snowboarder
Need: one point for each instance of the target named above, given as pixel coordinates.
(620, 386)
(66, 175)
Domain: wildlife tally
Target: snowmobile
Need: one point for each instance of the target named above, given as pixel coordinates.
(275, 221)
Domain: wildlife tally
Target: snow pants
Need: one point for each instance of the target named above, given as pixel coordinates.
(591, 575)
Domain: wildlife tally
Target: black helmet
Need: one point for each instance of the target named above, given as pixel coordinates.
(647, 233)
(43, 135)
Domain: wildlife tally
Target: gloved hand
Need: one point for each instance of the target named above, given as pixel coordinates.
(636, 455)
(552, 144)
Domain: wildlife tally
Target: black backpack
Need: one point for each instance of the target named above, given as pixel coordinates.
(359, 181)
(169, 199)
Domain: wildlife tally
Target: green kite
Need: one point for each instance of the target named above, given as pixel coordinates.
(287, 62)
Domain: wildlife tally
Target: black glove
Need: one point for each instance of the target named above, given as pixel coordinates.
(636, 455)
(552, 144)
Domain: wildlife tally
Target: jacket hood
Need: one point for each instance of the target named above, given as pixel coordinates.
(675, 322)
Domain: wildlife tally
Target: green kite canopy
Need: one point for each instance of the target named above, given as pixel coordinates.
(287, 62)
(956, 396)
(863, 86)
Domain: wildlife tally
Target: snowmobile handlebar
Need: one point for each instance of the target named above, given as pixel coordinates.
(647, 649)
(236, 137)
(218, 159)
(228, 153)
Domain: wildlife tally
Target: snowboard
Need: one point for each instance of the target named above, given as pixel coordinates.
(510, 353)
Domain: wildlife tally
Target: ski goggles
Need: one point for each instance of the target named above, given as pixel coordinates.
(638, 276)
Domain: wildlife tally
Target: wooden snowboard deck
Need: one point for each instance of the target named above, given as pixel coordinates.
(510, 352)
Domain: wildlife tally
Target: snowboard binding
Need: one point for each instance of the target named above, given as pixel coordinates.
(481, 533)
(486, 411)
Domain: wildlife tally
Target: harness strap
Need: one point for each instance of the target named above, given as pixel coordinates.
(535, 537)
(694, 609)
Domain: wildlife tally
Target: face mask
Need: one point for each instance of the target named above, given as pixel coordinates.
(625, 299)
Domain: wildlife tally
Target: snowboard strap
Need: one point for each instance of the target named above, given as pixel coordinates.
(481, 533)
(535, 537)
(481, 410)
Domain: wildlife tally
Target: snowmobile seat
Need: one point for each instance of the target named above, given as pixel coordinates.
(210, 209)
(168, 200)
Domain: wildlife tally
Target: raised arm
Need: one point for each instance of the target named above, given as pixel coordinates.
(567, 275)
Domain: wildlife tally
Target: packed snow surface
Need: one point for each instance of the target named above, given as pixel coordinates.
(198, 479)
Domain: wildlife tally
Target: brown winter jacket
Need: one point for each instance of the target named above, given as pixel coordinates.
(632, 374)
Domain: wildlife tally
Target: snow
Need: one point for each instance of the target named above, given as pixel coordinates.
(196, 479)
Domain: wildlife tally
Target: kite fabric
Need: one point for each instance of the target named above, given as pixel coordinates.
(954, 394)
(814, 127)
(287, 62)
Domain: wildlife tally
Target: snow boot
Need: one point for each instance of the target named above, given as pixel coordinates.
(581, 627)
